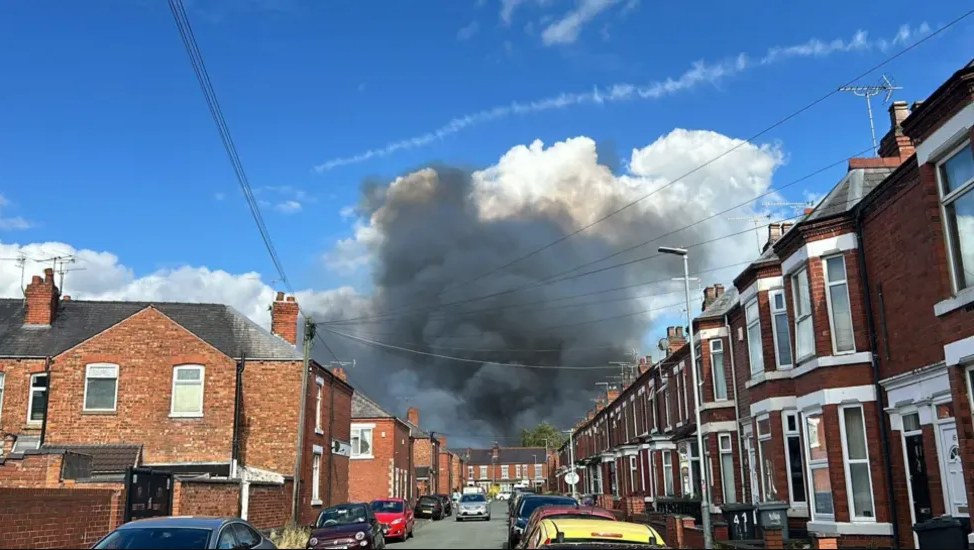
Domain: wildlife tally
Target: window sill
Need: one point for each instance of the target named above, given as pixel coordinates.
(963, 298)
(317, 503)
(319, 431)
(99, 413)
(185, 416)
(851, 528)
(362, 457)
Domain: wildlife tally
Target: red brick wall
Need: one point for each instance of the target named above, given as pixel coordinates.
(206, 499)
(443, 482)
(270, 505)
(13, 408)
(334, 480)
(372, 478)
(269, 414)
(31, 471)
(58, 518)
(146, 347)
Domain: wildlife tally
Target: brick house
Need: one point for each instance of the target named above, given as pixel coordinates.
(426, 452)
(507, 467)
(382, 453)
(197, 389)
(449, 468)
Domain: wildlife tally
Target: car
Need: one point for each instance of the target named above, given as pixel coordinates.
(504, 495)
(564, 512)
(346, 526)
(516, 497)
(473, 507)
(587, 533)
(429, 506)
(185, 532)
(396, 517)
(525, 507)
(447, 504)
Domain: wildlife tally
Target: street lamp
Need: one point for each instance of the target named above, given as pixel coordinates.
(705, 485)
(571, 458)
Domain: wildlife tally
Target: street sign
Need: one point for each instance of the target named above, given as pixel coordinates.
(571, 478)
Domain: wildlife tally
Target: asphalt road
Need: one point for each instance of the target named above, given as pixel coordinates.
(449, 533)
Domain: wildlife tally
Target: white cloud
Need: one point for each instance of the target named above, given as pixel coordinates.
(288, 207)
(11, 223)
(700, 73)
(289, 199)
(466, 33)
(566, 29)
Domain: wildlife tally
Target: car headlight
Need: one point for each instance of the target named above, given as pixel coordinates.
(360, 535)
(397, 521)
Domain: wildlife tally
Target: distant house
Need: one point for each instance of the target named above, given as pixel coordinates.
(507, 467)
(382, 453)
(426, 449)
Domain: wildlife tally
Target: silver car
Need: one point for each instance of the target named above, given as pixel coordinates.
(185, 532)
(473, 506)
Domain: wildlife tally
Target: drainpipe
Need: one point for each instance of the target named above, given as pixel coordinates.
(47, 404)
(331, 434)
(880, 397)
(737, 408)
(238, 397)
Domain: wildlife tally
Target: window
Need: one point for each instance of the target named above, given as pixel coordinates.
(483, 472)
(856, 455)
(538, 471)
(754, 349)
(517, 472)
(769, 492)
(246, 537)
(668, 473)
(633, 474)
(956, 180)
(698, 360)
(793, 459)
(666, 407)
(361, 442)
(654, 420)
(505, 471)
(320, 384)
(469, 472)
(837, 299)
(613, 478)
(779, 322)
(804, 333)
(101, 387)
(597, 479)
(187, 391)
(679, 396)
(37, 402)
(685, 379)
(727, 467)
(718, 374)
(316, 477)
(696, 473)
(816, 451)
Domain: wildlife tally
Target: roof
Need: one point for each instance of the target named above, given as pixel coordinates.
(721, 305)
(856, 184)
(219, 325)
(508, 455)
(363, 407)
(422, 472)
(105, 459)
(591, 528)
(189, 522)
(415, 431)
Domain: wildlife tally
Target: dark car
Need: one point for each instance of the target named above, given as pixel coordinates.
(429, 506)
(447, 504)
(525, 507)
(185, 532)
(347, 526)
(515, 499)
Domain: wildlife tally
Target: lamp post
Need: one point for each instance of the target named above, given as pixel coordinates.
(571, 458)
(705, 485)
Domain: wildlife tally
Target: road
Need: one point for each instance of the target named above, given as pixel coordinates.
(448, 533)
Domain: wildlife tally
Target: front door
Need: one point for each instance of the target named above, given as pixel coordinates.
(919, 484)
(950, 465)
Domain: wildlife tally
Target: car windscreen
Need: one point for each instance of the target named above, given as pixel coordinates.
(429, 501)
(529, 504)
(342, 515)
(387, 507)
(473, 498)
(153, 538)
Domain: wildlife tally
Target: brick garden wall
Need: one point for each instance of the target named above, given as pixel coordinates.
(58, 518)
(270, 505)
(191, 498)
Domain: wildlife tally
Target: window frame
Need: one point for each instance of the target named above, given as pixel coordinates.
(88, 377)
(30, 396)
(713, 369)
(828, 301)
(759, 438)
(357, 453)
(775, 312)
(724, 477)
(505, 471)
(686, 401)
(483, 472)
(517, 471)
(812, 465)
(202, 383)
(945, 201)
(748, 325)
(788, 435)
(320, 388)
(539, 471)
(316, 454)
(668, 474)
(633, 472)
(847, 462)
(804, 315)
(470, 472)
(666, 407)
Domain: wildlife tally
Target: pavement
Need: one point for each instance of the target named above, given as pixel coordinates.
(449, 533)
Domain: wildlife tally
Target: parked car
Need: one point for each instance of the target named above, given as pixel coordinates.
(525, 507)
(586, 533)
(564, 512)
(447, 504)
(429, 506)
(516, 497)
(395, 516)
(504, 495)
(185, 532)
(347, 525)
(473, 507)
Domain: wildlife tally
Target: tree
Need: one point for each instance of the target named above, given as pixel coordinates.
(543, 435)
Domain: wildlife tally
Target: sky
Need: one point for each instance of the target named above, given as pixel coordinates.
(108, 152)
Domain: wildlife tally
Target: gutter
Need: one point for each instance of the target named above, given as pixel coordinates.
(737, 407)
(47, 404)
(880, 393)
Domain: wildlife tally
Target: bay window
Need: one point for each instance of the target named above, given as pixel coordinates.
(817, 457)
(727, 467)
(840, 310)
(766, 460)
(956, 175)
(718, 374)
(754, 347)
(793, 459)
(856, 462)
(779, 323)
(804, 331)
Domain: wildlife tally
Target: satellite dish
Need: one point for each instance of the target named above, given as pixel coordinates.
(664, 344)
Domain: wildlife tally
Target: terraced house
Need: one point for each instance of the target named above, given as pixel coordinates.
(506, 468)
(837, 374)
(381, 464)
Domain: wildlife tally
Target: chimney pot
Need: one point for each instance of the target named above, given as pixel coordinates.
(709, 296)
(719, 290)
(280, 297)
(340, 373)
(66, 298)
(290, 298)
(670, 332)
(284, 319)
(809, 210)
(916, 105)
(49, 275)
(412, 414)
(36, 280)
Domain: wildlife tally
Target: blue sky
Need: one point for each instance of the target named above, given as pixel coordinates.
(106, 143)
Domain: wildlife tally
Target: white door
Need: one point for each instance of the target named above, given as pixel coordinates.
(950, 469)
(752, 466)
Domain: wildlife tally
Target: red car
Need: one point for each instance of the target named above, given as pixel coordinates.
(565, 512)
(396, 517)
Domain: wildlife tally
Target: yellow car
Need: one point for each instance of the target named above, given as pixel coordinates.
(590, 533)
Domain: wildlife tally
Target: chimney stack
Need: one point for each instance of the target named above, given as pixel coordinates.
(284, 318)
(412, 414)
(895, 144)
(777, 229)
(65, 298)
(495, 450)
(340, 374)
(674, 335)
(709, 297)
(643, 366)
(809, 210)
(719, 288)
(613, 395)
(442, 441)
(599, 403)
(42, 299)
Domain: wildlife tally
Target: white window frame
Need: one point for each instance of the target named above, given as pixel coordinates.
(320, 386)
(698, 361)
(505, 471)
(483, 472)
(655, 413)
(847, 462)
(775, 312)
(517, 471)
(666, 407)
(725, 476)
(714, 344)
(789, 434)
(30, 396)
(828, 301)
(469, 472)
(668, 474)
(633, 472)
(202, 382)
(813, 465)
(89, 377)
(361, 429)
(761, 437)
(316, 454)
(945, 201)
(757, 365)
(686, 403)
(805, 315)
(539, 471)
(679, 397)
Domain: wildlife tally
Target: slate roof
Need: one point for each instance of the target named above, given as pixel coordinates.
(721, 305)
(415, 431)
(105, 459)
(221, 326)
(507, 455)
(846, 195)
(363, 407)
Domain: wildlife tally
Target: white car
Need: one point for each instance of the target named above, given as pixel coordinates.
(504, 496)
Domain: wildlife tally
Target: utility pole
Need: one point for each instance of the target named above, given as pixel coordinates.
(885, 86)
(571, 458)
(309, 335)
